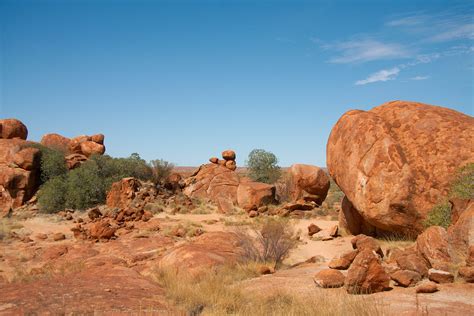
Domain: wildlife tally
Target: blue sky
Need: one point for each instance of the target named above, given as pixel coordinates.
(185, 80)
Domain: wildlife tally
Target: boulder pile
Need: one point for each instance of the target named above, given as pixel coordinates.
(228, 160)
(436, 256)
(77, 149)
(19, 166)
(396, 161)
(219, 183)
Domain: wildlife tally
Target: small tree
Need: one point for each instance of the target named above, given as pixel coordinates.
(161, 169)
(262, 166)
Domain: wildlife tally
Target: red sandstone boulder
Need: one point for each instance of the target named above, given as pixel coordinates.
(440, 276)
(13, 128)
(252, 195)
(206, 251)
(467, 273)
(19, 172)
(387, 160)
(363, 242)
(313, 229)
(228, 154)
(123, 192)
(56, 141)
(410, 259)
(102, 230)
(308, 179)
(98, 138)
(344, 261)
(406, 278)
(89, 148)
(461, 236)
(214, 160)
(432, 244)
(231, 164)
(351, 222)
(216, 183)
(427, 287)
(329, 278)
(366, 274)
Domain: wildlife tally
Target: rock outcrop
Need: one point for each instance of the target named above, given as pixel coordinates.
(219, 183)
(19, 168)
(387, 160)
(309, 182)
(13, 128)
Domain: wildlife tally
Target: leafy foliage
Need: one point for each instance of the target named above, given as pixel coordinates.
(263, 166)
(88, 184)
(52, 162)
(440, 215)
(161, 169)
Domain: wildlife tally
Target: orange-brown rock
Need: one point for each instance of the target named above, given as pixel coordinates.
(432, 244)
(329, 278)
(89, 148)
(366, 274)
(216, 183)
(214, 160)
(102, 230)
(308, 179)
(19, 172)
(231, 164)
(406, 278)
(362, 242)
(427, 287)
(440, 276)
(228, 155)
(252, 195)
(387, 160)
(56, 141)
(206, 251)
(344, 261)
(351, 222)
(6, 202)
(313, 229)
(461, 236)
(467, 273)
(74, 160)
(123, 192)
(410, 259)
(98, 138)
(13, 128)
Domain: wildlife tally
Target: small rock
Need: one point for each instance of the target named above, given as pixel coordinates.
(467, 273)
(68, 217)
(440, 276)
(343, 262)
(266, 270)
(406, 278)
(334, 231)
(253, 214)
(313, 229)
(59, 236)
(427, 287)
(213, 159)
(329, 278)
(327, 238)
(41, 236)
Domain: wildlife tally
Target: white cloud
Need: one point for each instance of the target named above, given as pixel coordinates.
(382, 75)
(465, 31)
(407, 21)
(420, 78)
(364, 50)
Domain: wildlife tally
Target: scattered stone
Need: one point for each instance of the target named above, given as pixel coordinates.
(427, 287)
(313, 229)
(366, 274)
(409, 259)
(253, 214)
(41, 236)
(440, 276)
(329, 278)
(467, 273)
(406, 278)
(334, 232)
(58, 236)
(362, 242)
(344, 261)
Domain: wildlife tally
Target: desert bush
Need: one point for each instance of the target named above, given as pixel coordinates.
(52, 162)
(270, 241)
(161, 169)
(283, 187)
(263, 166)
(440, 215)
(463, 185)
(87, 185)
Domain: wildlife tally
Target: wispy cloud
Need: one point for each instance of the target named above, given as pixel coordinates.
(465, 31)
(365, 50)
(420, 78)
(382, 75)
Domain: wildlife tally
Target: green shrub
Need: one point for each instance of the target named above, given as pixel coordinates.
(87, 185)
(52, 162)
(440, 215)
(463, 185)
(52, 196)
(161, 169)
(262, 166)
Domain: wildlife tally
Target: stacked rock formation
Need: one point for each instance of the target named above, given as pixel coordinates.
(396, 161)
(219, 183)
(19, 165)
(76, 150)
(228, 161)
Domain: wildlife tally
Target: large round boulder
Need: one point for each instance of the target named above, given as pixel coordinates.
(56, 141)
(308, 179)
(12, 128)
(396, 161)
(251, 195)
